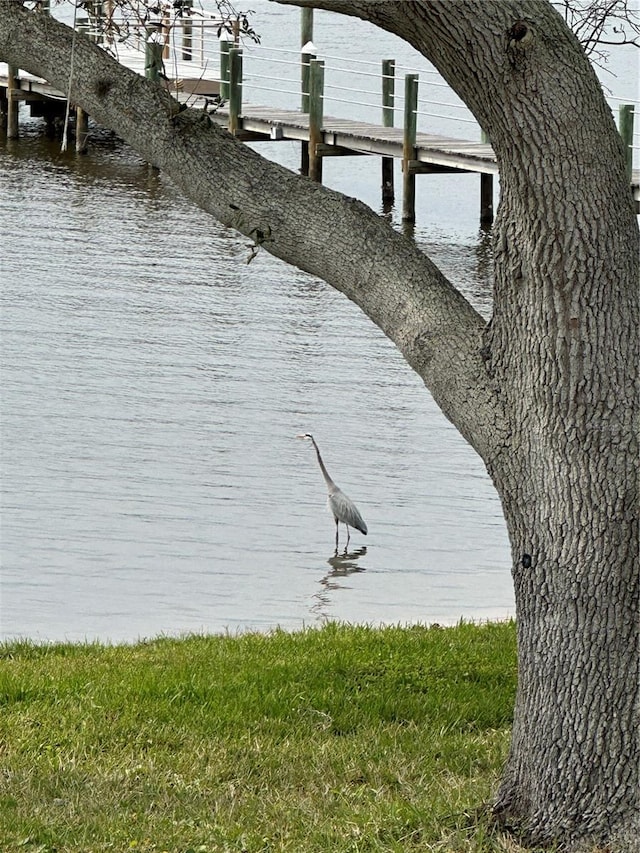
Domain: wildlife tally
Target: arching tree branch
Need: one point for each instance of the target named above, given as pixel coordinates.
(323, 232)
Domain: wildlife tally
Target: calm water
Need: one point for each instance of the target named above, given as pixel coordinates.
(152, 387)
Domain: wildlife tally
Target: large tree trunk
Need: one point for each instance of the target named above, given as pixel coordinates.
(562, 348)
(546, 392)
(572, 772)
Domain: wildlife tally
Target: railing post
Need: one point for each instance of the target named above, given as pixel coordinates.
(224, 66)
(96, 9)
(235, 88)
(187, 31)
(409, 147)
(153, 50)
(486, 191)
(307, 53)
(12, 102)
(625, 125)
(388, 103)
(316, 97)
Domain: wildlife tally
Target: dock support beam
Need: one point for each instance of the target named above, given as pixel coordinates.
(388, 92)
(12, 102)
(409, 147)
(316, 97)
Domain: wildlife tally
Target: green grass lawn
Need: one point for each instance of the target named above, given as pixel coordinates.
(339, 739)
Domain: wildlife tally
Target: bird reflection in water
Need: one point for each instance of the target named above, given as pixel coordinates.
(342, 565)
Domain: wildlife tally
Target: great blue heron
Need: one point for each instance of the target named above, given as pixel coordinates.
(342, 508)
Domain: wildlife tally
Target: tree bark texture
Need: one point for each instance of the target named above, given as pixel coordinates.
(546, 392)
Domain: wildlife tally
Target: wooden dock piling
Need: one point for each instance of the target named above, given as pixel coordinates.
(82, 130)
(306, 25)
(319, 135)
(316, 98)
(486, 192)
(153, 51)
(409, 147)
(307, 53)
(235, 89)
(388, 99)
(187, 31)
(12, 102)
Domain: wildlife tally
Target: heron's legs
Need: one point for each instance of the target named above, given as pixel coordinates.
(348, 537)
(336, 535)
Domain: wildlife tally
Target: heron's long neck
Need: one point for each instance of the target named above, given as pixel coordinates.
(330, 484)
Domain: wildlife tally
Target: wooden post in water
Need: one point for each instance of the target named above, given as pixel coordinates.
(235, 88)
(3, 111)
(388, 93)
(153, 50)
(12, 102)
(625, 125)
(82, 118)
(316, 97)
(409, 147)
(307, 53)
(82, 130)
(486, 192)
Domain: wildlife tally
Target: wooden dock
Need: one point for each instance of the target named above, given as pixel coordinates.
(427, 153)
(344, 136)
